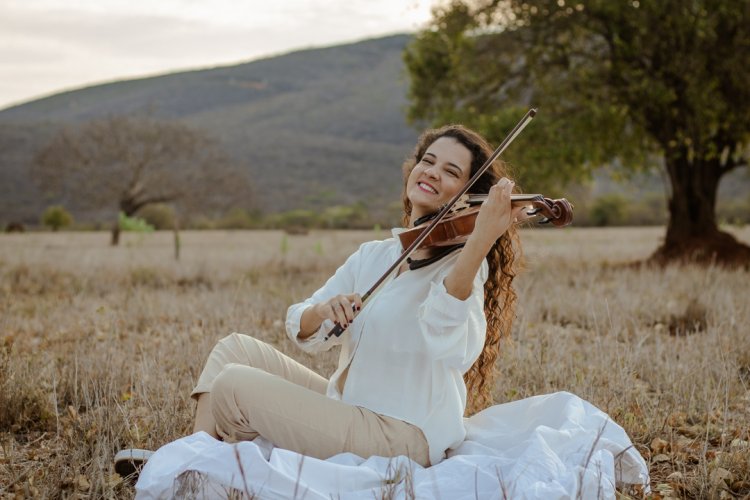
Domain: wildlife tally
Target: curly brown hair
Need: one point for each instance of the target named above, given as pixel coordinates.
(499, 295)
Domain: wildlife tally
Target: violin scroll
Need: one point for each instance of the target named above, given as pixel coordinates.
(559, 211)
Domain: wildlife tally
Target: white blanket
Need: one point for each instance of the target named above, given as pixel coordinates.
(546, 447)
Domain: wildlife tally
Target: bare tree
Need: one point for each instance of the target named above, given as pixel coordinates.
(134, 162)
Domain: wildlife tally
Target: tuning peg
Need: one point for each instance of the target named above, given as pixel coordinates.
(533, 211)
(545, 221)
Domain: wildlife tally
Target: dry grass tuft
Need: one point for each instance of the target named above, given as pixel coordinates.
(693, 320)
(100, 346)
(25, 405)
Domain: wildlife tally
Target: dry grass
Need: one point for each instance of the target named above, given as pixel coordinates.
(100, 346)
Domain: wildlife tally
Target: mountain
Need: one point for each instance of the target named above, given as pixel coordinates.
(310, 129)
(313, 127)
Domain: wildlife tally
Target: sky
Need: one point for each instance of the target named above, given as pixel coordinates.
(47, 46)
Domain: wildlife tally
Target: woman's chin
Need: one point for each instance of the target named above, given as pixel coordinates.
(419, 206)
(422, 199)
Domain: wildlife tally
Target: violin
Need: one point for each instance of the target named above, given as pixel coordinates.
(458, 224)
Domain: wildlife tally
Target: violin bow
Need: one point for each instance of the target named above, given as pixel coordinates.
(338, 329)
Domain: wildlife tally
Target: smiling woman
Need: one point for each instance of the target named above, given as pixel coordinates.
(414, 359)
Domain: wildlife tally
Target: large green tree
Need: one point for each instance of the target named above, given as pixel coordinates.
(636, 83)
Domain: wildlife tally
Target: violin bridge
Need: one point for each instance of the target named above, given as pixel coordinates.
(461, 203)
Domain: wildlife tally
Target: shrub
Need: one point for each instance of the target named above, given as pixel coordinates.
(344, 216)
(650, 210)
(609, 210)
(201, 222)
(56, 217)
(296, 219)
(135, 224)
(160, 216)
(733, 212)
(239, 218)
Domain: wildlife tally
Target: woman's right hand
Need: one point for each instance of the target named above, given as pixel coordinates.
(339, 309)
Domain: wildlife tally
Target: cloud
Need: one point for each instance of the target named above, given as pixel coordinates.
(143, 36)
(49, 45)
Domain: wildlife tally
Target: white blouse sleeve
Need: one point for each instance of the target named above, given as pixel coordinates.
(342, 282)
(454, 330)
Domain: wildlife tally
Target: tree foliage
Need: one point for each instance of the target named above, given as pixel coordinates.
(158, 215)
(127, 164)
(615, 81)
(56, 217)
(134, 224)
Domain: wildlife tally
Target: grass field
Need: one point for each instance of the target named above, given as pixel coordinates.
(100, 346)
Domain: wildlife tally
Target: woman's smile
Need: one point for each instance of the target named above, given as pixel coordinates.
(427, 188)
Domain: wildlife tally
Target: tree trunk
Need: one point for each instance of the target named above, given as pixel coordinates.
(127, 207)
(692, 232)
(116, 233)
(176, 229)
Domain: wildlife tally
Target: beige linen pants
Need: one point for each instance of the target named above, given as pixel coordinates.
(256, 390)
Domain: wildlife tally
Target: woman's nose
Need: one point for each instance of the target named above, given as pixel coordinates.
(431, 171)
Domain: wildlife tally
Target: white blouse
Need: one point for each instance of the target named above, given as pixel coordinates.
(408, 347)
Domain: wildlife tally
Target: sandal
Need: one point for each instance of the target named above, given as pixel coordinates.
(129, 462)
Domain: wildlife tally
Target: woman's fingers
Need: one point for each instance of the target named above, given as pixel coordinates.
(342, 308)
(499, 196)
(502, 189)
(356, 301)
(496, 214)
(330, 310)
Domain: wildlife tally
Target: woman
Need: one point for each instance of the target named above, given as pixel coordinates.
(408, 355)
(414, 358)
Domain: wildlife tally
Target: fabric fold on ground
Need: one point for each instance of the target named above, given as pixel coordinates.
(544, 447)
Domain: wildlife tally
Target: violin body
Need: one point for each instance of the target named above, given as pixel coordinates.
(458, 225)
(452, 230)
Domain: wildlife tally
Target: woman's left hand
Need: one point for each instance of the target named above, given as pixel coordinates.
(496, 214)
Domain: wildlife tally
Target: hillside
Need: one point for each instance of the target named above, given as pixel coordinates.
(310, 127)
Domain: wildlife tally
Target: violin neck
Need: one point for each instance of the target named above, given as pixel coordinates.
(478, 199)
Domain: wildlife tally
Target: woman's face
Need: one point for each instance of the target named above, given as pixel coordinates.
(441, 173)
